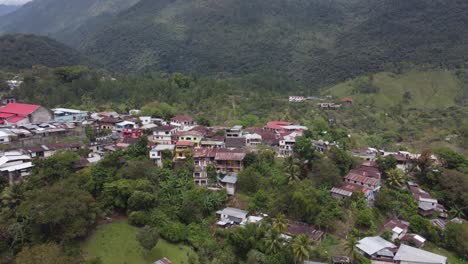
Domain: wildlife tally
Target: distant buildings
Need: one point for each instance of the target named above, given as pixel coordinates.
(16, 114)
(69, 115)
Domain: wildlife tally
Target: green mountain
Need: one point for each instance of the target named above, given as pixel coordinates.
(57, 18)
(18, 51)
(315, 42)
(312, 41)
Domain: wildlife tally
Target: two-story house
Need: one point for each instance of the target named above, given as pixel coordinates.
(229, 161)
(203, 157)
(156, 153)
(163, 134)
(182, 121)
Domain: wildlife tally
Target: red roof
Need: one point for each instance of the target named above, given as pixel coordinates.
(184, 144)
(231, 155)
(347, 99)
(392, 223)
(361, 179)
(15, 119)
(19, 109)
(351, 187)
(278, 124)
(6, 115)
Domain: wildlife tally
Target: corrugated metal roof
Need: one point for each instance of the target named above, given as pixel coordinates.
(371, 245)
(416, 255)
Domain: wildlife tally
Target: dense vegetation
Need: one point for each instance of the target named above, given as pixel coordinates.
(45, 216)
(315, 42)
(57, 17)
(382, 119)
(19, 51)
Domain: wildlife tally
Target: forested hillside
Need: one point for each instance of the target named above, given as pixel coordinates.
(18, 51)
(315, 42)
(57, 17)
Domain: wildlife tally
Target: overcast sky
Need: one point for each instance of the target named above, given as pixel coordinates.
(14, 2)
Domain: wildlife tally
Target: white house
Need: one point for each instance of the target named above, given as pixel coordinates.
(4, 137)
(296, 98)
(287, 143)
(125, 125)
(163, 134)
(157, 151)
(229, 182)
(253, 140)
(145, 120)
(15, 166)
(230, 215)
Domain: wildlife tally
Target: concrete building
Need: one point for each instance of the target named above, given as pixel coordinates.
(69, 115)
(16, 114)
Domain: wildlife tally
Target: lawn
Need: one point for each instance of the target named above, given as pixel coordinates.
(115, 243)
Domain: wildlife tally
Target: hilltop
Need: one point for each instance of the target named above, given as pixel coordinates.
(315, 42)
(19, 51)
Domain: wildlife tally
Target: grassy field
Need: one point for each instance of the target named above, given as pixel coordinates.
(115, 243)
(428, 89)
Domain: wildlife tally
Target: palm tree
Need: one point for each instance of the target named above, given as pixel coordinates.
(12, 196)
(350, 246)
(292, 170)
(280, 223)
(272, 242)
(457, 212)
(395, 178)
(301, 248)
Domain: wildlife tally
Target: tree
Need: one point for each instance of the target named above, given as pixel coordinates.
(325, 173)
(272, 242)
(395, 178)
(301, 248)
(61, 212)
(304, 149)
(342, 159)
(424, 162)
(455, 238)
(42, 254)
(350, 246)
(148, 237)
(451, 159)
(280, 223)
(387, 163)
(292, 170)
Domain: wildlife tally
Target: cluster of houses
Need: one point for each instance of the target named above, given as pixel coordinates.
(325, 103)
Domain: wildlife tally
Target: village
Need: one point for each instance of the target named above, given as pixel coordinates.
(29, 132)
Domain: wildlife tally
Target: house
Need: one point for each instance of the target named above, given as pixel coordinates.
(407, 254)
(8, 100)
(156, 153)
(69, 115)
(212, 143)
(163, 134)
(286, 144)
(163, 261)
(277, 126)
(341, 260)
(229, 182)
(229, 160)
(182, 149)
(347, 190)
(16, 114)
(5, 137)
(347, 100)
(233, 132)
(269, 137)
(14, 166)
(191, 136)
(125, 125)
(234, 142)
(46, 151)
(145, 120)
(107, 123)
(413, 240)
(231, 216)
(376, 248)
(298, 228)
(203, 157)
(329, 106)
(399, 228)
(427, 205)
(182, 121)
(253, 140)
(295, 98)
